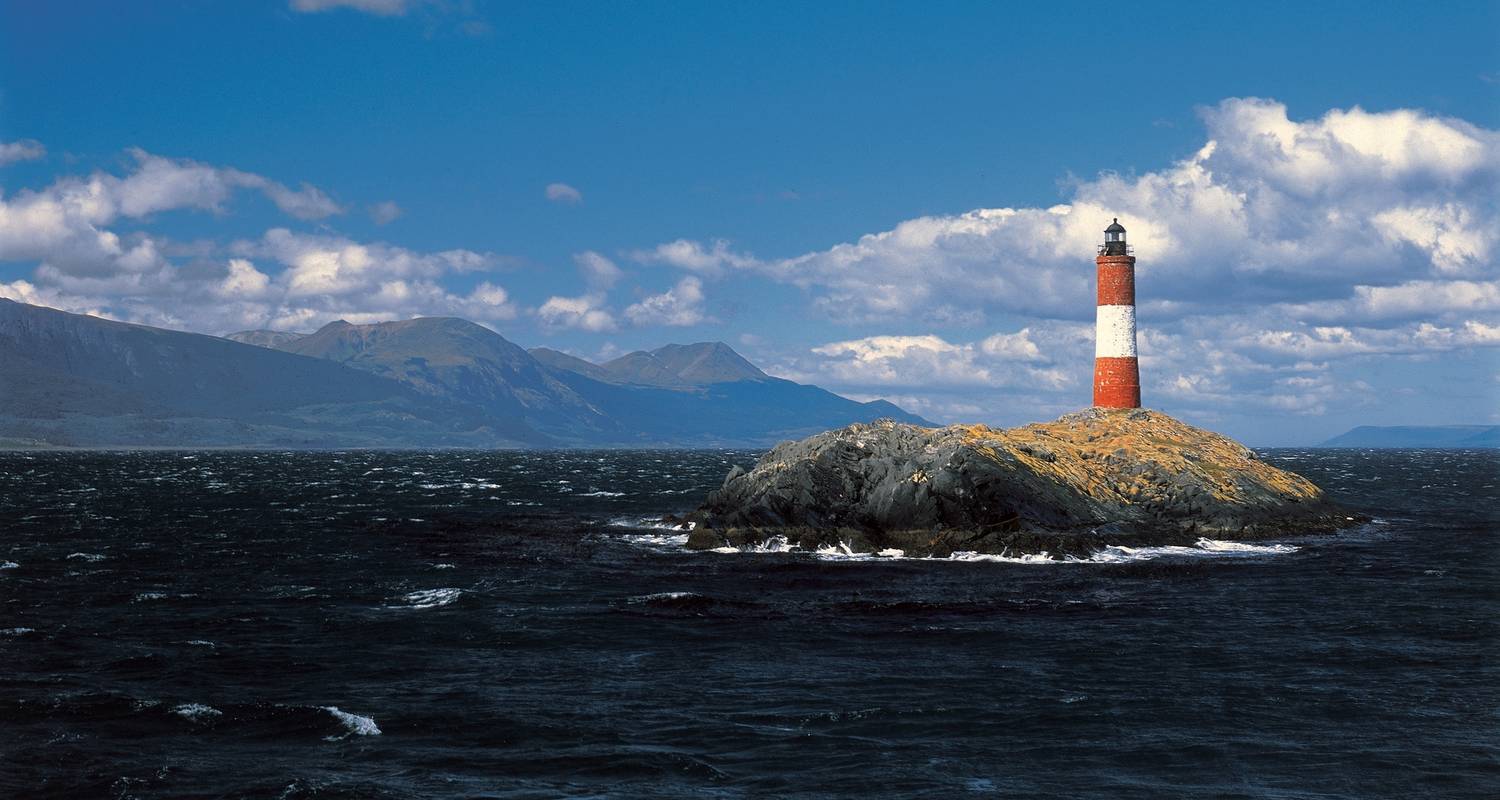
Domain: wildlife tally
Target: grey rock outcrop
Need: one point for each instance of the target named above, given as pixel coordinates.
(1069, 487)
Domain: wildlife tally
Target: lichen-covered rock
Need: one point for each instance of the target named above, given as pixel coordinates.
(1088, 480)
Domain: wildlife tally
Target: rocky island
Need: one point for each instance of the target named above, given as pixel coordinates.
(1086, 481)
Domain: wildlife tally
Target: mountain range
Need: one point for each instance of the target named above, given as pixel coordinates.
(1461, 436)
(76, 380)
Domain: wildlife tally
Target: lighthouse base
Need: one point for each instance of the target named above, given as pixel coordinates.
(1117, 383)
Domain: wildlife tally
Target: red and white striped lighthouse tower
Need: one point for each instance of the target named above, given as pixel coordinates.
(1117, 376)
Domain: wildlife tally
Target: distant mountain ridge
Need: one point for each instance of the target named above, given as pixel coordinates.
(458, 360)
(264, 338)
(702, 394)
(70, 379)
(698, 364)
(1418, 436)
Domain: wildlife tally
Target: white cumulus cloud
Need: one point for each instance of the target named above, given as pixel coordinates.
(928, 360)
(563, 193)
(599, 272)
(383, 8)
(386, 212)
(23, 150)
(682, 305)
(583, 313)
(1268, 208)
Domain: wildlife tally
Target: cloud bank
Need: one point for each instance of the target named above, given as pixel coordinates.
(1251, 249)
(24, 150)
(84, 265)
(1275, 259)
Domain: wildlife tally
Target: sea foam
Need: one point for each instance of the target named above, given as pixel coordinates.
(1114, 554)
(197, 712)
(356, 724)
(431, 598)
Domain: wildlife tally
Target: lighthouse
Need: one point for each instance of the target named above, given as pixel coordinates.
(1117, 376)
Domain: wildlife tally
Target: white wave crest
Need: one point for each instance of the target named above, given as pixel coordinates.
(602, 493)
(1114, 554)
(8, 565)
(658, 541)
(1000, 558)
(1220, 546)
(356, 724)
(197, 712)
(654, 523)
(431, 598)
(86, 556)
(775, 544)
(842, 552)
(648, 598)
(1203, 548)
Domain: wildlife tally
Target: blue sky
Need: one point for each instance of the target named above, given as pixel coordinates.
(890, 200)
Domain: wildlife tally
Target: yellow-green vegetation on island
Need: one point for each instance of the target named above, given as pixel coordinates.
(1085, 481)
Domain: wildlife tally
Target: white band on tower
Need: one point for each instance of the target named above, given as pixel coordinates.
(1114, 332)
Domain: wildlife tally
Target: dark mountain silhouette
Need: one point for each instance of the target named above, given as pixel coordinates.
(78, 380)
(264, 338)
(709, 394)
(459, 360)
(1418, 436)
(698, 364)
(554, 359)
(702, 394)
(72, 379)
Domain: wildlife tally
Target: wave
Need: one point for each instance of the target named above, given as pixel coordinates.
(197, 712)
(688, 603)
(1120, 554)
(775, 544)
(655, 523)
(8, 565)
(86, 556)
(658, 541)
(602, 493)
(431, 598)
(659, 597)
(354, 723)
(1114, 554)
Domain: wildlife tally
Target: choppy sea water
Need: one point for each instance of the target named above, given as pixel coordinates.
(458, 624)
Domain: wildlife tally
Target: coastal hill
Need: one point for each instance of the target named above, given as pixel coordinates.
(684, 365)
(1070, 487)
(696, 395)
(77, 380)
(457, 360)
(1461, 436)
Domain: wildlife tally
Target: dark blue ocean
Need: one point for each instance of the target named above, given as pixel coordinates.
(461, 624)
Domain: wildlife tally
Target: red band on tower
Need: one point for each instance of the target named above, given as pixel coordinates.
(1116, 280)
(1117, 383)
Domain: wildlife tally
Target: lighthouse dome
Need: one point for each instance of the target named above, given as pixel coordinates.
(1114, 240)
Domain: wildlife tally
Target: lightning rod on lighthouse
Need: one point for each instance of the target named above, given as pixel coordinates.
(1117, 376)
